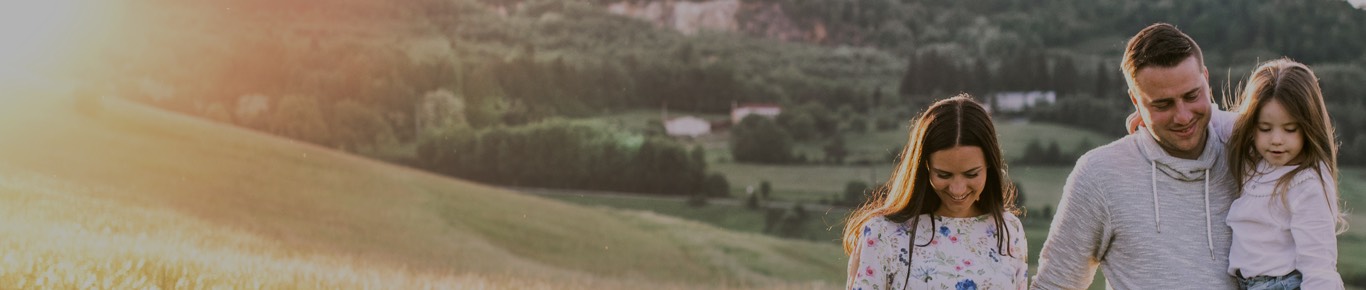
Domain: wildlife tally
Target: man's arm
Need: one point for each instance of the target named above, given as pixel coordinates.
(1077, 238)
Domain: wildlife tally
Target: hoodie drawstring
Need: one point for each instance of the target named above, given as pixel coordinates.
(1209, 229)
(1157, 210)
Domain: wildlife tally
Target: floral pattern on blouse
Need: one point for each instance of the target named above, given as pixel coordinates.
(961, 255)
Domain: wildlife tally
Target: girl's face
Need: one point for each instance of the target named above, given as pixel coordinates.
(958, 175)
(1278, 138)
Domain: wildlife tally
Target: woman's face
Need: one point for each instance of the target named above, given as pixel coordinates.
(958, 175)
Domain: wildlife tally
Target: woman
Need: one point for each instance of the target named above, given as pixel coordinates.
(951, 184)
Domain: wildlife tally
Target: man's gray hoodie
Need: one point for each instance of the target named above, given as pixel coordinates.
(1147, 219)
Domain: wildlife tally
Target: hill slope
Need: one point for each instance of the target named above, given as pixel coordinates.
(122, 195)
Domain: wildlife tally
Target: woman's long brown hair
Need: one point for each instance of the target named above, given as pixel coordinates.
(953, 122)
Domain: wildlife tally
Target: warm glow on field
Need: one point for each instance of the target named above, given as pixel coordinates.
(118, 195)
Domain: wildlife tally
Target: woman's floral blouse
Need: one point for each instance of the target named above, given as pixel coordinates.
(962, 255)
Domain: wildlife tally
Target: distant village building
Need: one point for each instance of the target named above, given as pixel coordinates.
(688, 126)
(739, 112)
(1011, 102)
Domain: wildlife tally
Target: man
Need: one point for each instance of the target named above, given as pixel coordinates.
(1149, 208)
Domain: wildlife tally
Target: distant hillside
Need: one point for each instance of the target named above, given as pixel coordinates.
(527, 60)
(758, 18)
(383, 76)
(122, 195)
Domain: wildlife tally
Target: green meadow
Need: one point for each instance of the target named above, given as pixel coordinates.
(117, 195)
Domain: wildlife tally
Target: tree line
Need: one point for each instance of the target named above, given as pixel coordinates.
(564, 154)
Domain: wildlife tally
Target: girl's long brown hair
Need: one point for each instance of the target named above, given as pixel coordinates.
(957, 121)
(1296, 88)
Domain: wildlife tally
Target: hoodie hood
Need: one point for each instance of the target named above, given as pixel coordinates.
(1180, 168)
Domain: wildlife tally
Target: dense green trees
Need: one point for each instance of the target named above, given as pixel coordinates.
(1316, 31)
(1105, 115)
(1036, 153)
(856, 192)
(357, 126)
(564, 154)
(758, 139)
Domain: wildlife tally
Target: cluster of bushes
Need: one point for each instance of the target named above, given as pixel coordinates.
(793, 222)
(564, 154)
(1035, 153)
(758, 139)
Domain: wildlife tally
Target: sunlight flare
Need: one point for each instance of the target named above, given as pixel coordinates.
(39, 35)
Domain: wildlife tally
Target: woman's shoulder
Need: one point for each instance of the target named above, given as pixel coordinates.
(1015, 227)
(876, 224)
(882, 224)
(1009, 217)
(880, 235)
(1012, 222)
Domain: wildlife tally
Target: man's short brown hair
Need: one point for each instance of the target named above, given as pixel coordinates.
(1160, 45)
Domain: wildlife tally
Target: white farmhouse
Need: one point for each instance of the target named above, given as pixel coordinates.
(687, 126)
(739, 112)
(1008, 102)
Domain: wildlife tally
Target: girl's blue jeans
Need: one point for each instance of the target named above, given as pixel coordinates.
(1288, 282)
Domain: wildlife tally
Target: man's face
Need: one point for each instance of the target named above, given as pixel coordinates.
(1175, 104)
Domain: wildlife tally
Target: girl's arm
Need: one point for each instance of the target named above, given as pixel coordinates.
(1222, 123)
(1312, 225)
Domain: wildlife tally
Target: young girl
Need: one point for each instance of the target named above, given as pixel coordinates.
(1286, 217)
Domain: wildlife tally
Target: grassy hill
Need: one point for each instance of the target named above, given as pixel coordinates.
(118, 195)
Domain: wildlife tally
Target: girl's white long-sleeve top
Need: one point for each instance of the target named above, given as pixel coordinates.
(1273, 238)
